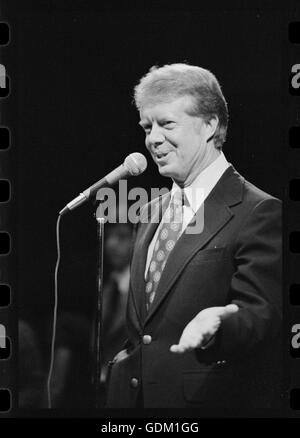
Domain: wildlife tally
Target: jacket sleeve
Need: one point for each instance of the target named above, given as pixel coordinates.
(256, 285)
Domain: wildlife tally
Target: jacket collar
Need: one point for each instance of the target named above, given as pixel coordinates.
(211, 216)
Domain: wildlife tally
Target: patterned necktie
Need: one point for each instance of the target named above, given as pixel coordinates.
(166, 240)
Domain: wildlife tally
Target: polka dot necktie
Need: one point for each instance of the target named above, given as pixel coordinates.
(166, 240)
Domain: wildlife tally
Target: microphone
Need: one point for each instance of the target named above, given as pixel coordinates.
(134, 164)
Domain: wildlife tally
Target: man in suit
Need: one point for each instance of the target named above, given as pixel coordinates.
(204, 307)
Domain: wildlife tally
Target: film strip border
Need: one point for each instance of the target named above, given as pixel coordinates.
(292, 214)
(8, 324)
(7, 328)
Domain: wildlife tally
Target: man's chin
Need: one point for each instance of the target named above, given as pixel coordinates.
(166, 170)
(170, 173)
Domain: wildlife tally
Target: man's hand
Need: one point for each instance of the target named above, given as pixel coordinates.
(202, 328)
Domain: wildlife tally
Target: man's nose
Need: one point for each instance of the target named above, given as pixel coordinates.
(155, 137)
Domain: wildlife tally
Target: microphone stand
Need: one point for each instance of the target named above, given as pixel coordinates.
(98, 348)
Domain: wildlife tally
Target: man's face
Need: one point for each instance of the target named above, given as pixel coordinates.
(176, 140)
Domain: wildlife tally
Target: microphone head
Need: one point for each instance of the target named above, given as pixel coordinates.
(135, 163)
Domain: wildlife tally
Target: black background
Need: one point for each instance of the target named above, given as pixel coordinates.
(74, 68)
(75, 74)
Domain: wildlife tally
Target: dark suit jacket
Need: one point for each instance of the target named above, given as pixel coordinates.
(236, 259)
(114, 327)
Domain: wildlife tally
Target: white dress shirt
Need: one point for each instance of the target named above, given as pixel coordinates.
(195, 194)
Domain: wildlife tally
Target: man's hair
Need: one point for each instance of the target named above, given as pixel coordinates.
(163, 84)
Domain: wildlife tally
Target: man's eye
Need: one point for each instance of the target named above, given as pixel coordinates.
(169, 124)
(146, 128)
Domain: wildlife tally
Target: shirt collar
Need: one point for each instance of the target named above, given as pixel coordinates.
(202, 185)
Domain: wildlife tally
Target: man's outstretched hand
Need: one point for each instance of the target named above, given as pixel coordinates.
(202, 328)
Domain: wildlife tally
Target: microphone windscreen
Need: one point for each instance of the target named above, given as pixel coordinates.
(135, 163)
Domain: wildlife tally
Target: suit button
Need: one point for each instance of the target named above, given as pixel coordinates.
(147, 339)
(134, 382)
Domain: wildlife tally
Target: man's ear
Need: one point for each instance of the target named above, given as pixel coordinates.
(211, 127)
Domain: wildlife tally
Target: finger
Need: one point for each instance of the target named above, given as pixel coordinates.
(229, 310)
(179, 348)
(175, 349)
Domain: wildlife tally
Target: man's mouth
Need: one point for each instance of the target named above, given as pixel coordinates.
(161, 155)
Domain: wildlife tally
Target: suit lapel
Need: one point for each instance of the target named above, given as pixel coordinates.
(213, 215)
(216, 213)
(187, 246)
